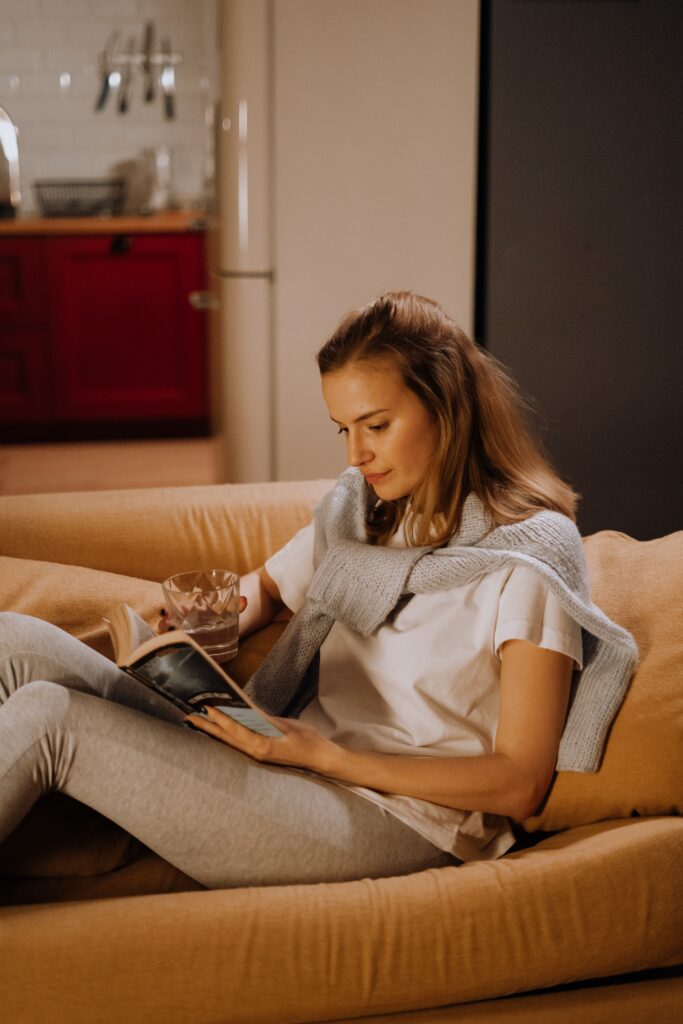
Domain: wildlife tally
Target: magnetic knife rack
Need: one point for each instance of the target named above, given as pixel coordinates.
(119, 67)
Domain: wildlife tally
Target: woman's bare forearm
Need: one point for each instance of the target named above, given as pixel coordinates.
(511, 780)
(263, 601)
(491, 783)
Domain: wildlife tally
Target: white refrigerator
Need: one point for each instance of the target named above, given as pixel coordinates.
(240, 261)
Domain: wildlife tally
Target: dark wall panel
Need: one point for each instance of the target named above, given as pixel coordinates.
(580, 260)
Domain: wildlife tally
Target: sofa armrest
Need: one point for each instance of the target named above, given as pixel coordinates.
(153, 532)
(592, 902)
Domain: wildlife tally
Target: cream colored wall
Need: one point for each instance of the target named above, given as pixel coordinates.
(375, 117)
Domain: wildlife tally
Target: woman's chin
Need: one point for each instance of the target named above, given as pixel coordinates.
(389, 490)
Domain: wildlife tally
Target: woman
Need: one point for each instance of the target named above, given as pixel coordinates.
(441, 612)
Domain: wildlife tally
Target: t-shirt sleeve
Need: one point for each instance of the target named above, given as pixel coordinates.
(292, 568)
(529, 610)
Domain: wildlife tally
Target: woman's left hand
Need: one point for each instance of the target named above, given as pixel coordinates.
(300, 747)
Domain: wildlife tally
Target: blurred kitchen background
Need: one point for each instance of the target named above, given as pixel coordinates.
(284, 161)
(50, 78)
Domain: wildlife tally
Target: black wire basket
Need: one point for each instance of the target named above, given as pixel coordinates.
(85, 197)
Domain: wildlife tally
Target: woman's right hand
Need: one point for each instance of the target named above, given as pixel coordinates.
(165, 624)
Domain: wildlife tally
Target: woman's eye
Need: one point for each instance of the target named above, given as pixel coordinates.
(375, 427)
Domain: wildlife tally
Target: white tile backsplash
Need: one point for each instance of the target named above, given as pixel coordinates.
(60, 133)
(7, 36)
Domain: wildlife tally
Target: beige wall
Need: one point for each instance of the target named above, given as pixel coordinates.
(375, 116)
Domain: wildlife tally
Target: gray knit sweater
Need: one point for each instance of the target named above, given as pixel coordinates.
(361, 584)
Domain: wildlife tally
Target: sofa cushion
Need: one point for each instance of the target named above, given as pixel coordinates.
(639, 585)
(63, 850)
(144, 874)
(61, 837)
(74, 598)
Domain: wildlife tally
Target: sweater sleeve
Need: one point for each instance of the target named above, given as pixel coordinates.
(291, 568)
(528, 610)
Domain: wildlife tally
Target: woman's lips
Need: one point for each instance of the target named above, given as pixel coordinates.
(374, 478)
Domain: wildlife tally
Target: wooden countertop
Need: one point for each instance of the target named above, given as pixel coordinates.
(156, 223)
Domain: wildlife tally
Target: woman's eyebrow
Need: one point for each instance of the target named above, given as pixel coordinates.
(365, 416)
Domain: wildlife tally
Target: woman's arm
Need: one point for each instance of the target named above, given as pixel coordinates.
(263, 601)
(511, 781)
(514, 778)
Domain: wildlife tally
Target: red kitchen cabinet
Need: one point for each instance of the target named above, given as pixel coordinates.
(100, 337)
(23, 351)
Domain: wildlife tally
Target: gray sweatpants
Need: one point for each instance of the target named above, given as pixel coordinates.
(215, 814)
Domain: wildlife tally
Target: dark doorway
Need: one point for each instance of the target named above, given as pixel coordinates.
(579, 255)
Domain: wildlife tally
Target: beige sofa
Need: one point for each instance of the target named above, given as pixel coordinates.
(582, 921)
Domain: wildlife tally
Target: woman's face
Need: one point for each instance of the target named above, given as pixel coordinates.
(390, 435)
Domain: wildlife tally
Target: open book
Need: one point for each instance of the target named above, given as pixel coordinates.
(176, 667)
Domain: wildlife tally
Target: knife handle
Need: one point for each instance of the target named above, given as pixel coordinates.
(104, 92)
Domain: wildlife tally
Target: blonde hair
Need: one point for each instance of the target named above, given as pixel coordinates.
(485, 445)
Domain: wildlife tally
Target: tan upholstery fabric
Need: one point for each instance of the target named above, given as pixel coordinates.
(543, 917)
(153, 533)
(639, 585)
(631, 1002)
(145, 874)
(74, 598)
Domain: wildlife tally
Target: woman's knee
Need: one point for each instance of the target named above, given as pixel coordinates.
(42, 703)
(30, 649)
(10, 624)
(17, 629)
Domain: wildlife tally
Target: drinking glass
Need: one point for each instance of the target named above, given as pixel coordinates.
(205, 604)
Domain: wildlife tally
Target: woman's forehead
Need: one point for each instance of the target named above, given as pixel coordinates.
(358, 379)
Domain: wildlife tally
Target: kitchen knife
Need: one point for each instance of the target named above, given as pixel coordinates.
(126, 78)
(168, 79)
(106, 69)
(147, 66)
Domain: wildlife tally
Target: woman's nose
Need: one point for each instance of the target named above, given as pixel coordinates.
(357, 453)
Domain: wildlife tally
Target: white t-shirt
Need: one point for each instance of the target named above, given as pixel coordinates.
(427, 682)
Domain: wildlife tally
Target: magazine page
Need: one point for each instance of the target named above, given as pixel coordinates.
(179, 670)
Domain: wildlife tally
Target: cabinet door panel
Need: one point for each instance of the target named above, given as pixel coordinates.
(23, 378)
(21, 282)
(23, 349)
(126, 342)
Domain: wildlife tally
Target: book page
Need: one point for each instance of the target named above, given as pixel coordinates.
(139, 630)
